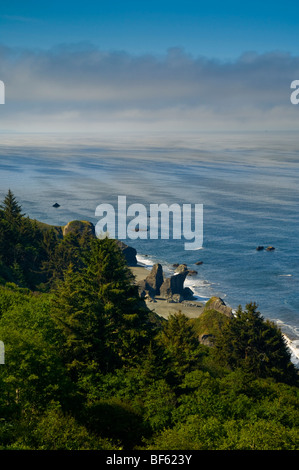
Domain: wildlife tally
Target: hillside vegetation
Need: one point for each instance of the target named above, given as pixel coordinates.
(88, 366)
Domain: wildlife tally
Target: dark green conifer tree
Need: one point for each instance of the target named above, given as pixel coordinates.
(12, 211)
(249, 342)
(21, 249)
(181, 344)
(102, 319)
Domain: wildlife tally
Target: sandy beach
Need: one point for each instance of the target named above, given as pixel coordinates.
(192, 309)
(164, 308)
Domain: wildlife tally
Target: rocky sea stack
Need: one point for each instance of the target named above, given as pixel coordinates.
(170, 288)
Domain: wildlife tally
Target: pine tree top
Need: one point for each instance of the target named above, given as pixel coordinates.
(12, 211)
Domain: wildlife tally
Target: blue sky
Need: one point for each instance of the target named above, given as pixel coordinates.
(168, 65)
(222, 29)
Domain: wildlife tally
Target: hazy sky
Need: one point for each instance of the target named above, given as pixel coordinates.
(148, 65)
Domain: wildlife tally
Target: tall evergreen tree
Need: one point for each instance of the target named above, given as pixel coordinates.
(256, 345)
(60, 255)
(102, 319)
(12, 211)
(181, 344)
(21, 249)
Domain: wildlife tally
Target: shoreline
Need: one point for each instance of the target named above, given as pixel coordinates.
(191, 308)
(161, 306)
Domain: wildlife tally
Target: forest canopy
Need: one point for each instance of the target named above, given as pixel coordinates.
(88, 366)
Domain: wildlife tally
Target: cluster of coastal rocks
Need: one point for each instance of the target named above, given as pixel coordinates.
(261, 248)
(170, 288)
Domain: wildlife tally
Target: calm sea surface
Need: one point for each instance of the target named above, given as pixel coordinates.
(247, 183)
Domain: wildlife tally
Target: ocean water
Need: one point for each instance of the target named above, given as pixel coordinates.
(247, 183)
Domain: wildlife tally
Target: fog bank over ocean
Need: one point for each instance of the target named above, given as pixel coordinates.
(247, 183)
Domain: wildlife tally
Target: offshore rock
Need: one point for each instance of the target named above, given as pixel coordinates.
(181, 268)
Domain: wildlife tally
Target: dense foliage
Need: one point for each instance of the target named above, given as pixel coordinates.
(87, 366)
